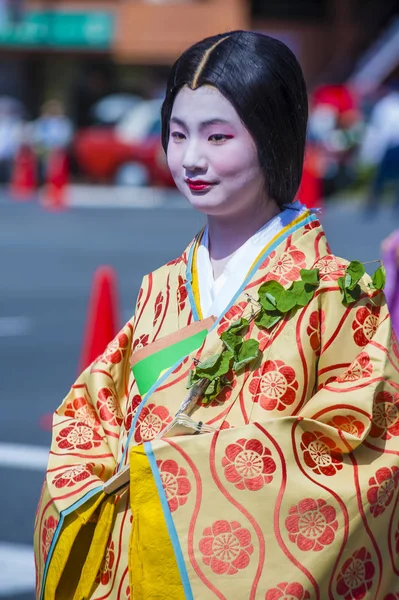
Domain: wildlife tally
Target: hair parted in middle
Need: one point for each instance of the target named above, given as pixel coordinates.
(261, 77)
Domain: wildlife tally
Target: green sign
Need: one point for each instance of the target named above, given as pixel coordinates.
(89, 30)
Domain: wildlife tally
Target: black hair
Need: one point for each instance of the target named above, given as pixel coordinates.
(264, 82)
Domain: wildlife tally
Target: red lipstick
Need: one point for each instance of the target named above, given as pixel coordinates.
(198, 185)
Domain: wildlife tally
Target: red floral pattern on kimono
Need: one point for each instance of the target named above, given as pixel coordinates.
(226, 547)
(382, 488)
(157, 308)
(356, 576)
(330, 268)
(181, 293)
(131, 411)
(385, 423)
(316, 329)
(108, 407)
(320, 453)
(49, 527)
(73, 475)
(233, 314)
(175, 483)
(140, 342)
(365, 324)
(361, 367)
(287, 267)
(151, 421)
(105, 572)
(274, 385)
(312, 524)
(248, 464)
(116, 350)
(349, 424)
(78, 436)
(80, 410)
(287, 591)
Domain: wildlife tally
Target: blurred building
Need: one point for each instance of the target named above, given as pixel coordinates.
(57, 48)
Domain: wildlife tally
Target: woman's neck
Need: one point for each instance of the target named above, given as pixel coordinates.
(227, 234)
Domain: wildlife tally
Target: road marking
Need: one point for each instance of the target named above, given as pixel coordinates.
(15, 326)
(23, 456)
(17, 569)
(83, 196)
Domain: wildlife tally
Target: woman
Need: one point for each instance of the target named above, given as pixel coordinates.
(278, 477)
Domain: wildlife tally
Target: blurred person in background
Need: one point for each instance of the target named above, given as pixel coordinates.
(12, 133)
(390, 257)
(380, 148)
(51, 131)
(233, 439)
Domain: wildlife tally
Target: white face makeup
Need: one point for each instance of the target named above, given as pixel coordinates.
(211, 155)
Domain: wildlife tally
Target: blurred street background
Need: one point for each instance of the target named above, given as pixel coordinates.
(84, 181)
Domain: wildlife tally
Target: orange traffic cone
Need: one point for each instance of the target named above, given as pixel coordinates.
(103, 318)
(23, 178)
(54, 197)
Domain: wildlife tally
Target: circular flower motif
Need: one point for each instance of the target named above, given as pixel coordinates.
(80, 410)
(320, 453)
(273, 385)
(267, 260)
(105, 572)
(312, 524)
(78, 437)
(365, 324)
(49, 527)
(151, 421)
(226, 547)
(233, 314)
(108, 407)
(73, 475)
(287, 591)
(140, 342)
(248, 464)
(181, 293)
(175, 483)
(131, 411)
(287, 267)
(381, 492)
(361, 367)
(356, 576)
(348, 424)
(316, 329)
(385, 416)
(329, 268)
(116, 350)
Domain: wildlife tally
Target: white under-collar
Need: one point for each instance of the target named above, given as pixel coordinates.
(216, 295)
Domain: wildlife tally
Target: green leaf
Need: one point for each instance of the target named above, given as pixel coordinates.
(310, 276)
(355, 270)
(268, 319)
(245, 354)
(378, 278)
(269, 293)
(192, 379)
(287, 301)
(349, 294)
(238, 325)
(212, 390)
(216, 366)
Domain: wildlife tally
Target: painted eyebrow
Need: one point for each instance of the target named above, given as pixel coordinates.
(203, 125)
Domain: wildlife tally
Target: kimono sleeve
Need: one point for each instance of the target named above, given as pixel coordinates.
(83, 454)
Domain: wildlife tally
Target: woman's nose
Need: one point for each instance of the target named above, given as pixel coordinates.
(194, 158)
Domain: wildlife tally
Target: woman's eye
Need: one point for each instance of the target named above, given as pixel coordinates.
(177, 136)
(219, 138)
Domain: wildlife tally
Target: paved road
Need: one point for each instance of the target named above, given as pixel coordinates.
(46, 265)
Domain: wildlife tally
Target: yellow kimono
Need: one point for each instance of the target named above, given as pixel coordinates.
(292, 496)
